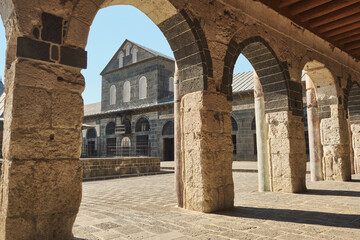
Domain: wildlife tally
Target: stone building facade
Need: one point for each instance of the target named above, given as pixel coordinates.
(110, 126)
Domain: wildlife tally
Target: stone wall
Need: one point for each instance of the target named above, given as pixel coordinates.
(106, 167)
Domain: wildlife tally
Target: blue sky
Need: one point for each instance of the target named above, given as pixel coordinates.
(110, 28)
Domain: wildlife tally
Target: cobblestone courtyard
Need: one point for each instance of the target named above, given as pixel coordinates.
(145, 208)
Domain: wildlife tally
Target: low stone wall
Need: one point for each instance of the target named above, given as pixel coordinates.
(110, 167)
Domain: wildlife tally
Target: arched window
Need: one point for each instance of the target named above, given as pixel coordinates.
(112, 95)
(125, 142)
(126, 92)
(134, 55)
(127, 125)
(91, 133)
(234, 124)
(110, 128)
(171, 84)
(142, 125)
(168, 128)
(253, 124)
(127, 50)
(121, 60)
(142, 88)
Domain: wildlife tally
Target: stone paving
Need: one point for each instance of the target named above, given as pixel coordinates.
(145, 208)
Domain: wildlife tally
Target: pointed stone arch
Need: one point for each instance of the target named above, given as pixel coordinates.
(283, 112)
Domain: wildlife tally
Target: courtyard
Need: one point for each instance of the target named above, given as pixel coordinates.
(145, 208)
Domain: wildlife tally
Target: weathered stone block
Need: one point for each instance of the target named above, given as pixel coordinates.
(42, 75)
(67, 104)
(31, 107)
(39, 143)
(77, 33)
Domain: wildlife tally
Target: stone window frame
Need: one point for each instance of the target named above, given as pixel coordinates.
(171, 84)
(112, 99)
(134, 54)
(126, 91)
(121, 59)
(90, 133)
(142, 87)
(142, 125)
(127, 49)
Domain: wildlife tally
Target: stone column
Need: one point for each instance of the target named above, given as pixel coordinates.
(286, 147)
(315, 148)
(355, 129)
(41, 173)
(206, 151)
(261, 137)
(336, 149)
(177, 141)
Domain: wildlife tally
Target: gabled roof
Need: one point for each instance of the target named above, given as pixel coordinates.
(156, 53)
(151, 51)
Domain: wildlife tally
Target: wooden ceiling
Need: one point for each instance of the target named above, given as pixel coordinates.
(337, 21)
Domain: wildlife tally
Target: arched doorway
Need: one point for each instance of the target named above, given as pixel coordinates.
(168, 141)
(142, 128)
(91, 148)
(110, 139)
(327, 123)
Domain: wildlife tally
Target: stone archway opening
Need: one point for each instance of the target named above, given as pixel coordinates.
(327, 125)
(52, 83)
(354, 126)
(279, 125)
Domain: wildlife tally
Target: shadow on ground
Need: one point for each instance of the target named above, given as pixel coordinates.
(295, 216)
(332, 193)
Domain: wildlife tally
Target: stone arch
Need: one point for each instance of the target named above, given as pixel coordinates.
(142, 125)
(282, 103)
(110, 128)
(353, 104)
(184, 34)
(168, 128)
(327, 123)
(273, 74)
(234, 125)
(91, 133)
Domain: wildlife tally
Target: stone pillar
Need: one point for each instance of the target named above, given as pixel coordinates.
(206, 151)
(336, 149)
(355, 129)
(286, 147)
(177, 141)
(315, 148)
(261, 137)
(41, 173)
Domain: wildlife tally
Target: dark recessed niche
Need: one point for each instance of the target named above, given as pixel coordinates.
(54, 52)
(52, 27)
(36, 32)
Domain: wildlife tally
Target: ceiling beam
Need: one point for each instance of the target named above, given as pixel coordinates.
(339, 14)
(326, 8)
(349, 39)
(339, 23)
(345, 35)
(285, 3)
(343, 29)
(352, 46)
(303, 6)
